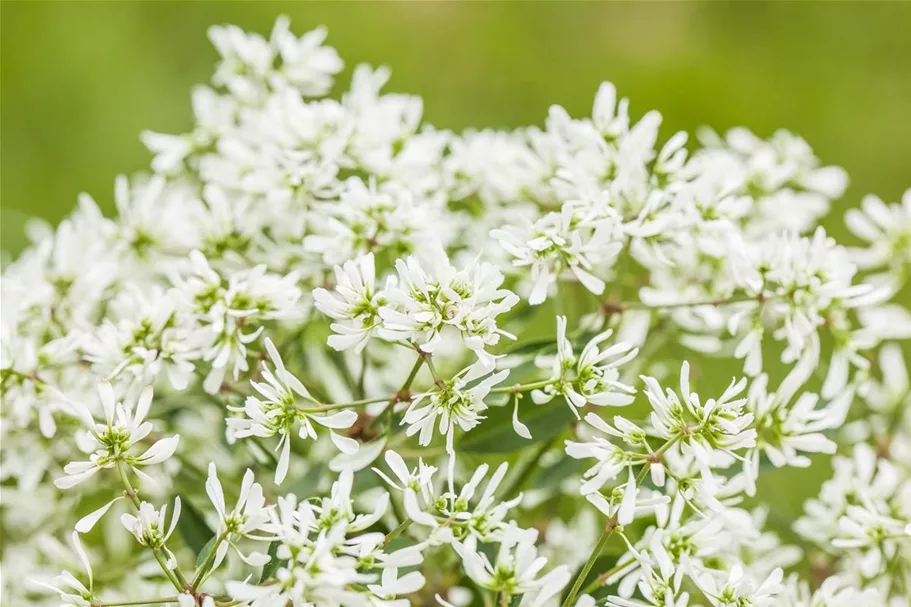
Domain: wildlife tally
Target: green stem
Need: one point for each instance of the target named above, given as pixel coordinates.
(670, 443)
(602, 579)
(371, 401)
(414, 372)
(487, 596)
(350, 405)
(203, 570)
(596, 552)
(522, 387)
(396, 532)
(175, 576)
(432, 368)
(171, 575)
(657, 456)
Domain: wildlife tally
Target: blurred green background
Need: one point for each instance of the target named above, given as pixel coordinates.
(80, 80)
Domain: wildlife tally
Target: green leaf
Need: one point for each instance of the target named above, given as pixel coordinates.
(495, 434)
(272, 566)
(205, 552)
(192, 526)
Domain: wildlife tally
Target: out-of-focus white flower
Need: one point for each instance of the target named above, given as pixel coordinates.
(887, 229)
(862, 514)
(392, 585)
(251, 65)
(417, 487)
(785, 429)
(739, 589)
(230, 311)
(388, 220)
(70, 590)
(187, 600)
(835, 591)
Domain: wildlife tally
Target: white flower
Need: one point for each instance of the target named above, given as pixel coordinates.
(148, 527)
(392, 585)
(318, 563)
(187, 600)
(862, 516)
(739, 589)
(454, 403)
(425, 303)
(251, 65)
(486, 518)
(142, 336)
(110, 442)
(835, 591)
(339, 505)
(891, 394)
(389, 220)
(711, 431)
(228, 311)
(888, 230)
(247, 517)
(417, 487)
(864, 526)
(592, 378)
(610, 459)
(559, 242)
(803, 279)
(516, 569)
(657, 577)
(355, 301)
(786, 429)
(305, 63)
(70, 590)
(276, 411)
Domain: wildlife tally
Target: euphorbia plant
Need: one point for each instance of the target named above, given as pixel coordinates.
(399, 365)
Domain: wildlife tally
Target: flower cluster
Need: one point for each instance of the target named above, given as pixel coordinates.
(314, 291)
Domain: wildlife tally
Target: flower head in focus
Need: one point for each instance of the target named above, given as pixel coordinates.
(110, 442)
(276, 411)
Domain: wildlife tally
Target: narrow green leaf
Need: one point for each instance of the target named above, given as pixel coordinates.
(205, 552)
(274, 563)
